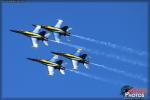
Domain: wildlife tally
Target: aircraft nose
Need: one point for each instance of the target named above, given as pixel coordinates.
(13, 30)
(56, 53)
(33, 59)
(29, 58)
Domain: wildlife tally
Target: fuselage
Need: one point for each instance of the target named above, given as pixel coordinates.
(30, 34)
(46, 62)
(71, 56)
(54, 29)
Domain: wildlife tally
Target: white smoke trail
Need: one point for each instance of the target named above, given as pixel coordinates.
(123, 59)
(95, 77)
(112, 45)
(135, 76)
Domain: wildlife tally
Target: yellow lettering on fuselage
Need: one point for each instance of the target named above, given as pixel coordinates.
(49, 63)
(72, 56)
(31, 34)
(53, 28)
(50, 28)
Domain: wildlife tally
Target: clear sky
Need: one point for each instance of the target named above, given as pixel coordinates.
(123, 24)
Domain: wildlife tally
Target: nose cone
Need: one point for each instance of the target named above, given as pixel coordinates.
(57, 53)
(30, 58)
(33, 59)
(14, 30)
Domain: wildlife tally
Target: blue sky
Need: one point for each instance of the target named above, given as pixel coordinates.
(124, 24)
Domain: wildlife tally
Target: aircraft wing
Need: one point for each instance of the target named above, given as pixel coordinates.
(75, 64)
(34, 42)
(78, 52)
(57, 37)
(50, 70)
(54, 58)
(59, 23)
(37, 29)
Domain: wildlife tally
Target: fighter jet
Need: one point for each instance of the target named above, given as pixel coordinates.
(36, 35)
(57, 30)
(76, 58)
(52, 64)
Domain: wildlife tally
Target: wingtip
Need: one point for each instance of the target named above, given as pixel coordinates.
(74, 69)
(60, 19)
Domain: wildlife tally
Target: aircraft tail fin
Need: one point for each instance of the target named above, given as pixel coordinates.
(83, 56)
(59, 62)
(65, 28)
(42, 33)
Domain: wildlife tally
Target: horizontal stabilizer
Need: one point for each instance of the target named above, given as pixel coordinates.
(42, 33)
(83, 56)
(86, 65)
(62, 71)
(45, 42)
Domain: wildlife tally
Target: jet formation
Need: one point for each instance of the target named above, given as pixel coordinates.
(42, 33)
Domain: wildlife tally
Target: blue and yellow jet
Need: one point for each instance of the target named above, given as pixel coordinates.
(52, 64)
(76, 58)
(56, 30)
(36, 35)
